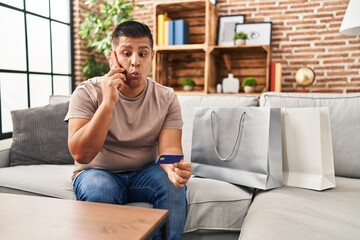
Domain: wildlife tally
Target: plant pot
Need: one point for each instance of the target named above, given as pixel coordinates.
(188, 88)
(240, 42)
(249, 89)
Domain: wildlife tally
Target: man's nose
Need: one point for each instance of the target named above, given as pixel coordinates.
(135, 61)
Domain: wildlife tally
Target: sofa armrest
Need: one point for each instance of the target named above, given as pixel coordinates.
(5, 152)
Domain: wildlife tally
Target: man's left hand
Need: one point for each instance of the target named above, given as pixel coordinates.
(180, 173)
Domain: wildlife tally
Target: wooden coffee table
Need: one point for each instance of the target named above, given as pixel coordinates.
(28, 217)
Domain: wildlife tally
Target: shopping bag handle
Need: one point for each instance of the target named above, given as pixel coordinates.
(242, 119)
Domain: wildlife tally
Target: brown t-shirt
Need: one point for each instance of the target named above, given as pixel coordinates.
(132, 140)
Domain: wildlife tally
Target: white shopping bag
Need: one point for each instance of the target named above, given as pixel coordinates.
(307, 148)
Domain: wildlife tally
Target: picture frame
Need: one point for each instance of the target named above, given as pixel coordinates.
(226, 29)
(259, 33)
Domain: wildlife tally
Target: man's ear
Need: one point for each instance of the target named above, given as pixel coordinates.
(152, 54)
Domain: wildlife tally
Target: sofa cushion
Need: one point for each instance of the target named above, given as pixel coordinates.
(296, 214)
(215, 205)
(189, 102)
(45, 180)
(40, 136)
(344, 112)
(56, 99)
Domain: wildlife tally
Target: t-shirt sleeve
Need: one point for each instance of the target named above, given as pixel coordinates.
(82, 103)
(173, 119)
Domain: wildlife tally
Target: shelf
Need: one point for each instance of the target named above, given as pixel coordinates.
(240, 48)
(186, 47)
(194, 92)
(172, 67)
(246, 61)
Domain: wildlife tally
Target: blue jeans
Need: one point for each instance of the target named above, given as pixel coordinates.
(149, 184)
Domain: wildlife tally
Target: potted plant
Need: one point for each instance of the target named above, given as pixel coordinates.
(240, 38)
(188, 84)
(249, 84)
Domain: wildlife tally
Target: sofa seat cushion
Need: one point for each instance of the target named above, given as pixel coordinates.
(344, 110)
(295, 213)
(45, 180)
(215, 205)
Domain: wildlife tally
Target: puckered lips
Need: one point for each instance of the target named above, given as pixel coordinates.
(132, 76)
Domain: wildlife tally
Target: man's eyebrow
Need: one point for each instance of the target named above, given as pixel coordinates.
(144, 47)
(126, 46)
(131, 47)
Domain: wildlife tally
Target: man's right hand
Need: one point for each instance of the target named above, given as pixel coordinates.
(111, 85)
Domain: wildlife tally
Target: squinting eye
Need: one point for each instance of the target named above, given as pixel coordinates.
(143, 54)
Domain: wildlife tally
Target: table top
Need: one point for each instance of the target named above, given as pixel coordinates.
(29, 217)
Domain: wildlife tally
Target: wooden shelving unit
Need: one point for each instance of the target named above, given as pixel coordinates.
(201, 59)
(245, 61)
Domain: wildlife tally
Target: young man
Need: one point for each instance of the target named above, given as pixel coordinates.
(118, 125)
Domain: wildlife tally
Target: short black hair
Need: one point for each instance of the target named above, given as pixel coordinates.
(132, 29)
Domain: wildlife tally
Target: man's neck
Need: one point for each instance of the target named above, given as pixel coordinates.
(134, 92)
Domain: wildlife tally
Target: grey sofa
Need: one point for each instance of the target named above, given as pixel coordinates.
(219, 210)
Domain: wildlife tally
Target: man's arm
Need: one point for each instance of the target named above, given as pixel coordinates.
(170, 143)
(86, 137)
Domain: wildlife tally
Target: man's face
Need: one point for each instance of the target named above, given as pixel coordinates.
(135, 55)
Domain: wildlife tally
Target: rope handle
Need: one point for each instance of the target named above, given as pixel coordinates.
(242, 119)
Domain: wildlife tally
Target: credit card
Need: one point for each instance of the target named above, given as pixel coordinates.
(169, 159)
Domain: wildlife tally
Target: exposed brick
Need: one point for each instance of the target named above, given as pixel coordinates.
(312, 27)
(338, 61)
(318, 50)
(332, 44)
(332, 79)
(318, 16)
(323, 68)
(342, 73)
(301, 22)
(302, 33)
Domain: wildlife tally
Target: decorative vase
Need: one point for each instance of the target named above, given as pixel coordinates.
(188, 88)
(249, 89)
(230, 84)
(240, 42)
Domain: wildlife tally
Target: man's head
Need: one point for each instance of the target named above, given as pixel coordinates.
(133, 43)
(131, 29)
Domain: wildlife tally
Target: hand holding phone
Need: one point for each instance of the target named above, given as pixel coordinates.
(169, 158)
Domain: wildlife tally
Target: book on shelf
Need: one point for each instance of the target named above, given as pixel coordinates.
(275, 76)
(166, 32)
(181, 28)
(171, 32)
(161, 18)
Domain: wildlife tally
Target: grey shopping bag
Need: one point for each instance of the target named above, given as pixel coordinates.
(238, 145)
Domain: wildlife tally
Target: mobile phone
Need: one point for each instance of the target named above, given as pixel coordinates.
(169, 158)
(115, 61)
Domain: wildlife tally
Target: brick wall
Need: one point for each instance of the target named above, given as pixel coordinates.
(305, 33)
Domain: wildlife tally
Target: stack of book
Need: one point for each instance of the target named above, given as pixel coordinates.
(172, 32)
